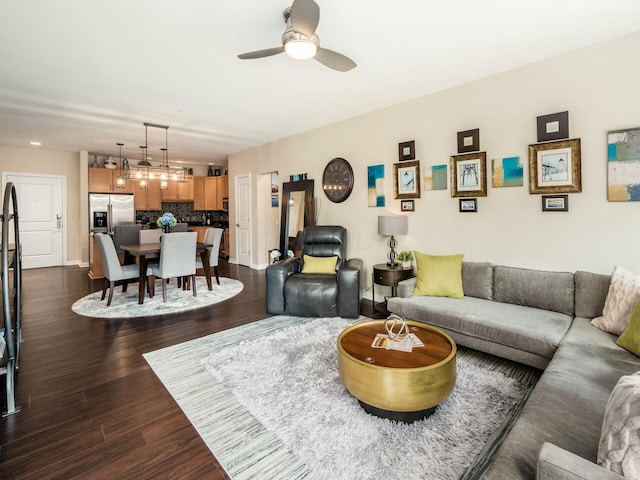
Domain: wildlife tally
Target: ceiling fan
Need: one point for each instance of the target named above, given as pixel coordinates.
(300, 41)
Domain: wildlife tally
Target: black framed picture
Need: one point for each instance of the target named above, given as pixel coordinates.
(555, 203)
(407, 205)
(468, 205)
(554, 126)
(407, 150)
(469, 141)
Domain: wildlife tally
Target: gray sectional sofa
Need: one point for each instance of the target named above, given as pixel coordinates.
(541, 319)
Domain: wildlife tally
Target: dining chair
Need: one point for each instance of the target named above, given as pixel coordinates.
(212, 236)
(177, 259)
(151, 235)
(125, 235)
(113, 271)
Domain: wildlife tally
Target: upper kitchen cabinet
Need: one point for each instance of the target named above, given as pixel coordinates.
(148, 198)
(210, 192)
(103, 180)
(198, 193)
(215, 189)
(222, 190)
(179, 191)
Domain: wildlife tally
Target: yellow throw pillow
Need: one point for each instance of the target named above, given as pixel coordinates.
(439, 275)
(319, 264)
(630, 338)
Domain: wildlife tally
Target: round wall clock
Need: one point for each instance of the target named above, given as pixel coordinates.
(337, 180)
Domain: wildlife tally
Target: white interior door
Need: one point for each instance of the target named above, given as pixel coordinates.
(41, 209)
(243, 220)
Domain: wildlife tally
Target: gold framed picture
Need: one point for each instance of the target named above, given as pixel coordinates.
(406, 180)
(554, 167)
(469, 175)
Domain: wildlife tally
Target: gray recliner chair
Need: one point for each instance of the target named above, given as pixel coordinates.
(291, 292)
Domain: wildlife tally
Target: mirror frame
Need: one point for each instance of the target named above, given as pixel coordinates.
(288, 187)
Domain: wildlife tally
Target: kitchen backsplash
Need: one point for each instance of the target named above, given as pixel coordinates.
(183, 212)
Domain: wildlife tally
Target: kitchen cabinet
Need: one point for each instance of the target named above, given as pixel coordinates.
(149, 198)
(222, 190)
(198, 193)
(200, 231)
(179, 191)
(210, 192)
(103, 180)
(95, 261)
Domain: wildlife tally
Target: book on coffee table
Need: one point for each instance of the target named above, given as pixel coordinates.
(382, 340)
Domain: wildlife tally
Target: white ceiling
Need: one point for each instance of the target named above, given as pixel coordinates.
(84, 75)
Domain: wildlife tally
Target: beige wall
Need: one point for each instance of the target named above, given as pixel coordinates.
(32, 160)
(597, 85)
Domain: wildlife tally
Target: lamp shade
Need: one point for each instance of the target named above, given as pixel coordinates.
(393, 225)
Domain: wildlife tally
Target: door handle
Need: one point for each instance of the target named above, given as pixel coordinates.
(238, 225)
(58, 221)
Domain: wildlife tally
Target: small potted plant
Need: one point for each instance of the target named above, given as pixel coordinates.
(405, 257)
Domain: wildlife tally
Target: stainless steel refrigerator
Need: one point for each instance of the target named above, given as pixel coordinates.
(108, 210)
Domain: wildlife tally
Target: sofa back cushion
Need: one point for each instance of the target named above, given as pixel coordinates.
(534, 288)
(591, 293)
(477, 280)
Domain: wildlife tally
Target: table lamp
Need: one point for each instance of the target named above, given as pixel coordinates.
(393, 225)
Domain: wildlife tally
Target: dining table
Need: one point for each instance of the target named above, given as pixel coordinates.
(144, 251)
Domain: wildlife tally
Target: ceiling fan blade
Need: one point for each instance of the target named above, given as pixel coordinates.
(261, 53)
(334, 60)
(305, 15)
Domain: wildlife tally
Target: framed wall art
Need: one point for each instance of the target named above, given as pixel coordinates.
(407, 150)
(436, 178)
(375, 186)
(554, 167)
(407, 205)
(469, 175)
(554, 126)
(506, 172)
(623, 165)
(555, 203)
(468, 205)
(469, 141)
(406, 179)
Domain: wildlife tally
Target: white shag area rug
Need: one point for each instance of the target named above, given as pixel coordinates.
(178, 300)
(289, 381)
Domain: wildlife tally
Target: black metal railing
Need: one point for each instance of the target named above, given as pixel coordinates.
(10, 329)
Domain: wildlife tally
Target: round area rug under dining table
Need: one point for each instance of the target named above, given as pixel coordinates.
(125, 305)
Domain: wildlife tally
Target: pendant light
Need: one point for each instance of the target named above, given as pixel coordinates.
(120, 180)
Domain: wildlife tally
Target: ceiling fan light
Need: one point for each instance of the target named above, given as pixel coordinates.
(301, 49)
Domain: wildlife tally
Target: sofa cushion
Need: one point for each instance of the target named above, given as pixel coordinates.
(534, 288)
(311, 295)
(630, 338)
(528, 329)
(619, 447)
(319, 264)
(477, 279)
(623, 294)
(567, 405)
(439, 275)
(591, 293)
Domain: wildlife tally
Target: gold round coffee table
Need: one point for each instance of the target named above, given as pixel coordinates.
(404, 386)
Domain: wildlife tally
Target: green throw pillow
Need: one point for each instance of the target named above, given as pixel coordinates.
(439, 275)
(630, 337)
(319, 264)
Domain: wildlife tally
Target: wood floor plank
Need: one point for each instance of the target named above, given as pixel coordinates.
(91, 406)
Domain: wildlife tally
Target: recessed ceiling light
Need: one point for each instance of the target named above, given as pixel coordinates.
(35, 144)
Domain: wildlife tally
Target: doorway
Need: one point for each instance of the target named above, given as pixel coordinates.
(243, 220)
(41, 210)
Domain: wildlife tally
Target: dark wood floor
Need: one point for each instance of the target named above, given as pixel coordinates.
(91, 406)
